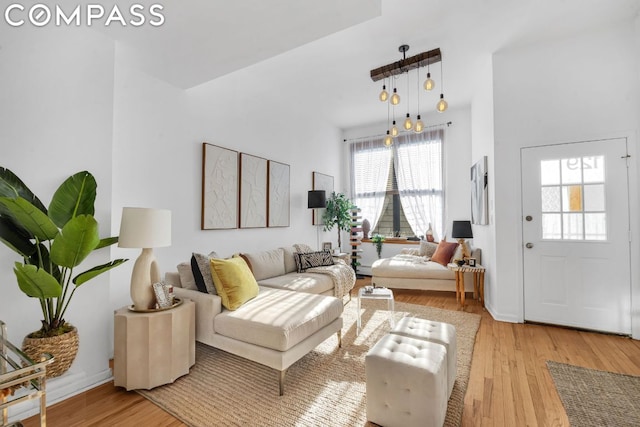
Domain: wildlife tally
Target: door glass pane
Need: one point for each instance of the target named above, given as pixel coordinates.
(551, 199)
(550, 172)
(572, 226)
(571, 209)
(572, 198)
(571, 171)
(595, 226)
(551, 226)
(594, 198)
(593, 168)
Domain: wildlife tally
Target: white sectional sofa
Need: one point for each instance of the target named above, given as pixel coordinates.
(292, 313)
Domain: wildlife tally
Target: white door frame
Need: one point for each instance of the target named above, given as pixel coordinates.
(634, 220)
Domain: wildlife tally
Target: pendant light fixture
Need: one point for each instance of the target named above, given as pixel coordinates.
(395, 98)
(419, 127)
(394, 130)
(392, 71)
(408, 124)
(388, 139)
(429, 84)
(384, 95)
(442, 105)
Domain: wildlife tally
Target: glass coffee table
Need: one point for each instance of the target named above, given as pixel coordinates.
(379, 294)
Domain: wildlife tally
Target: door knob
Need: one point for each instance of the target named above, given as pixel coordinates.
(528, 218)
(529, 245)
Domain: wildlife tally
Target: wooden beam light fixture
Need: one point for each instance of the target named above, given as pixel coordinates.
(406, 64)
(390, 71)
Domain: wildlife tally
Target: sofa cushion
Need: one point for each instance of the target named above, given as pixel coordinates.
(444, 252)
(234, 281)
(308, 260)
(410, 267)
(202, 272)
(187, 281)
(289, 259)
(312, 283)
(278, 319)
(265, 264)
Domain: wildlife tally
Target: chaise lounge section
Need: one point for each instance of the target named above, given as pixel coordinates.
(278, 326)
(412, 270)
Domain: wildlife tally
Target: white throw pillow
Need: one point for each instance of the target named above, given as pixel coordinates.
(187, 281)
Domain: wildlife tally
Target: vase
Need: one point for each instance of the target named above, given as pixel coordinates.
(429, 234)
(64, 349)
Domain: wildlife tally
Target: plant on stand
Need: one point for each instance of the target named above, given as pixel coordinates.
(52, 242)
(377, 240)
(337, 213)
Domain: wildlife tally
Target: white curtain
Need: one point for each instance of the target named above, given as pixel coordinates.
(419, 173)
(370, 164)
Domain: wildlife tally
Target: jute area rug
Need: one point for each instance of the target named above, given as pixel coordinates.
(324, 388)
(597, 398)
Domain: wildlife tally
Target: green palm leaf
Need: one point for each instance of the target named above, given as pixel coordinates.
(30, 217)
(16, 237)
(75, 196)
(107, 241)
(11, 186)
(95, 271)
(35, 282)
(76, 241)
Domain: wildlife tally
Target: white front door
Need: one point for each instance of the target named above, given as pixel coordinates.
(575, 229)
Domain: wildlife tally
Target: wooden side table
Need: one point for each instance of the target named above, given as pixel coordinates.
(478, 281)
(153, 348)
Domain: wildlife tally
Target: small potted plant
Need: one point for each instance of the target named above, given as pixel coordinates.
(51, 243)
(377, 240)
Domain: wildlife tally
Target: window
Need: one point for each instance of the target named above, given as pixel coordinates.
(573, 202)
(400, 188)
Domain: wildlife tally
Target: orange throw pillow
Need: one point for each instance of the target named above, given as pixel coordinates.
(444, 252)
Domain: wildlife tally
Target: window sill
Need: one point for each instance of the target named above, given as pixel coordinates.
(396, 240)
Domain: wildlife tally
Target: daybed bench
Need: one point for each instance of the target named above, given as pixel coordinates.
(290, 315)
(414, 269)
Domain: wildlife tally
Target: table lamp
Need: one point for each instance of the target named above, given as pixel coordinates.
(462, 230)
(317, 199)
(144, 228)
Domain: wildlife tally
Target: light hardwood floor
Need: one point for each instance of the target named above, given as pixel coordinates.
(509, 383)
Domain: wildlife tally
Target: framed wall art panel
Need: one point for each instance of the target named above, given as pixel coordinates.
(253, 191)
(219, 188)
(321, 182)
(279, 197)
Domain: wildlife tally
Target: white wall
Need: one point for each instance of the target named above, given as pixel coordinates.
(482, 145)
(157, 157)
(580, 88)
(56, 120)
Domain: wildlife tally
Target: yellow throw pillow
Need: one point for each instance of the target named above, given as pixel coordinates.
(234, 281)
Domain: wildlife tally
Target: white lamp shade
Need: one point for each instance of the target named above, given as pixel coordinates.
(145, 228)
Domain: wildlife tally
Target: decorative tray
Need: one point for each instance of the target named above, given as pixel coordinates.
(176, 302)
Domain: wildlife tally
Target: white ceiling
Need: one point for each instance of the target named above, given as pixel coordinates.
(319, 53)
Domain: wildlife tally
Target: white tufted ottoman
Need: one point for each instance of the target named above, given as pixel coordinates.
(438, 332)
(406, 382)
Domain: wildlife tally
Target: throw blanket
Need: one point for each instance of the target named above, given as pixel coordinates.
(343, 278)
(342, 275)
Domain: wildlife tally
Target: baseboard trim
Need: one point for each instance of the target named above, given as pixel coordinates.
(59, 389)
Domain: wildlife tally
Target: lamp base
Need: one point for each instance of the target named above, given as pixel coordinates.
(465, 249)
(145, 273)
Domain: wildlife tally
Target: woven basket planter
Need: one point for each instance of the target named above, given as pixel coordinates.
(63, 348)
